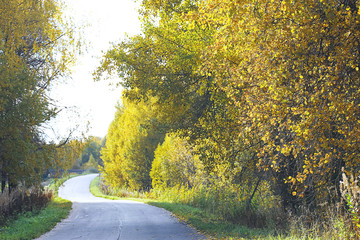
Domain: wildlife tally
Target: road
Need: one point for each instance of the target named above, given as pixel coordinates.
(98, 218)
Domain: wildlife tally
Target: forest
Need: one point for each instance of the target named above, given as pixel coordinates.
(247, 109)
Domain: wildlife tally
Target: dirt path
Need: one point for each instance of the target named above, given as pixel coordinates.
(98, 218)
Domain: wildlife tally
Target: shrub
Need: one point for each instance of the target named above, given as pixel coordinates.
(175, 164)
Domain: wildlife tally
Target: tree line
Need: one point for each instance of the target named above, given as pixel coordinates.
(250, 96)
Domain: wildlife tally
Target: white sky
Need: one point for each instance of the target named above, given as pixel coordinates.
(109, 21)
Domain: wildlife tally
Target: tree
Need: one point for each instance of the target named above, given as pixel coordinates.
(166, 61)
(131, 141)
(91, 163)
(36, 47)
(292, 69)
(92, 148)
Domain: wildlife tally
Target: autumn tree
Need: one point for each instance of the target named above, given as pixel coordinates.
(35, 49)
(166, 61)
(175, 164)
(292, 69)
(130, 144)
(92, 147)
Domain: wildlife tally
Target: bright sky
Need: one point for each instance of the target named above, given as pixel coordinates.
(109, 21)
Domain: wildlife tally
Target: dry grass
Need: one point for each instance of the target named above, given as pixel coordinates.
(22, 200)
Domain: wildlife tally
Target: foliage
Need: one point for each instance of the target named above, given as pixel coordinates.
(92, 148)
(91, 163)
(36, 47)
(175, 164)
(131, 141)
(267, 93)
(294, 79)
(64, 157)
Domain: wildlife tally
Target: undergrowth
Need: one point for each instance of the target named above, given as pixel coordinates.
(33, 222)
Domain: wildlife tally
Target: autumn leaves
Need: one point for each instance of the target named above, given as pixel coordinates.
(274, 81)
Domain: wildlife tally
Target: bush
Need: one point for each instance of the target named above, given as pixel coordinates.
(175, 164)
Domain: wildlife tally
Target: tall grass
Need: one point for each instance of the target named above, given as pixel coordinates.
(122, 192)
(226, 204)
(31, 221)
(22, 200)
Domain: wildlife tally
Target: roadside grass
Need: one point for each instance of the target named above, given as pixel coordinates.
(31, 225)
(210, 225)
(96, 191)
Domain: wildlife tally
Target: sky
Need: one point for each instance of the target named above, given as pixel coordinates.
(106, 22)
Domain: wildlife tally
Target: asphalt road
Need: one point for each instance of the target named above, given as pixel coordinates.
(98, 218)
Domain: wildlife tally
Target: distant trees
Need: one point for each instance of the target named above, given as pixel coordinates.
(36, 46)
(92, 148)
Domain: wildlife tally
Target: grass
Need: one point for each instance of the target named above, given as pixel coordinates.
(209, 224)
(96, 191)
(31, 225)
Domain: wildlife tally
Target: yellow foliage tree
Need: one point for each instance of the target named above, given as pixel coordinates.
(292, 68)
(130, 144)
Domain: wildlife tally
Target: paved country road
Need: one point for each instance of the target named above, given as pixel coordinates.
(98, 218)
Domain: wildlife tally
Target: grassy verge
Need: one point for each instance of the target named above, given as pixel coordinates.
(208, 224)
(96, 191)
(31, 225)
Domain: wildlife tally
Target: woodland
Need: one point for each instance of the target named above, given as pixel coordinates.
(248, 109)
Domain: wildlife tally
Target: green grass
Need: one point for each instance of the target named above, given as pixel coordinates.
(96, 191)
(209, 224)
(31, 225)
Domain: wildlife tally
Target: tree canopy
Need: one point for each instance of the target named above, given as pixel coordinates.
(36, 48)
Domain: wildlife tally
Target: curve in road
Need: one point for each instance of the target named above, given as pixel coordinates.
(98, 218)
